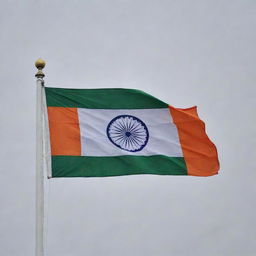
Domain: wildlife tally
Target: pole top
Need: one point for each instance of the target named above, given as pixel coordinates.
(40, 64)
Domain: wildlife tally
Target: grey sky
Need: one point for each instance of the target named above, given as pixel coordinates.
(183, 52)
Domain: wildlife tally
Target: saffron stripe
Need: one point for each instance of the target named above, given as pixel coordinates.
(64, 131)
(199, 152)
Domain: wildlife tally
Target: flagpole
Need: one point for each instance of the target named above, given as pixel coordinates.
(40, 64)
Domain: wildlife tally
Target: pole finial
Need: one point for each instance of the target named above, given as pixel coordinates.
(40, 64)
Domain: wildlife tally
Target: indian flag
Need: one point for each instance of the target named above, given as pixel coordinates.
(110, 132)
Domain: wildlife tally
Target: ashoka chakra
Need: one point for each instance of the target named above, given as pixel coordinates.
(128, 133)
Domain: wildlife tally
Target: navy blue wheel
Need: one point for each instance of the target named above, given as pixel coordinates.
(128, 133)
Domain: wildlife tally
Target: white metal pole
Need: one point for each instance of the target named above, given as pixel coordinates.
(39, 161)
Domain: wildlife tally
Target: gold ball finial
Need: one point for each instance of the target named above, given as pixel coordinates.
(40, 64)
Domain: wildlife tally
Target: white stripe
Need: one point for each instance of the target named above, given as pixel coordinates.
(163, 136)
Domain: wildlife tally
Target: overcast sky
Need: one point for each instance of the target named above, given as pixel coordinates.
(185, 53)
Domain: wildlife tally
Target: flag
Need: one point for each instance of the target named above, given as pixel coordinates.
(111, 132)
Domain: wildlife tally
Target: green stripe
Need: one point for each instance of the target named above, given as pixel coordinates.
(101, 98)
(91, 166)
